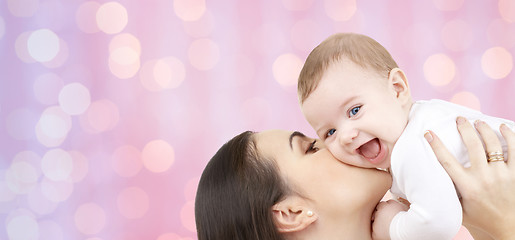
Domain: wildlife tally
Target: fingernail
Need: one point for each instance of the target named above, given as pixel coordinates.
(504, 127)
(428, 136)
(460, 120)
(477, 123)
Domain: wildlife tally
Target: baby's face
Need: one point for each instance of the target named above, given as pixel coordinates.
(357, 114)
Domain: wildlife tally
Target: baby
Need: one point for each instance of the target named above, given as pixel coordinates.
(356, 98)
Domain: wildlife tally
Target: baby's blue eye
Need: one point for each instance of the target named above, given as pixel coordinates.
(330, 132)
(354, 111)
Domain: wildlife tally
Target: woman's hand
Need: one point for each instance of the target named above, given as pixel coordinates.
(487, 188)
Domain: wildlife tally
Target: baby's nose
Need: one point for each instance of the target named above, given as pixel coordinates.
(347, 136)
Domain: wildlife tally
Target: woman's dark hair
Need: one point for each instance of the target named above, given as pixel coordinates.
(236, 193)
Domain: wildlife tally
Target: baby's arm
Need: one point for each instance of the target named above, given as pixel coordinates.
(435, 211)
(385, 211)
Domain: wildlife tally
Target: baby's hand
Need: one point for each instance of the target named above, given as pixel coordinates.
(385, 211)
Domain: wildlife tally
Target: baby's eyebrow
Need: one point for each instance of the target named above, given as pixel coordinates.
(295, 134)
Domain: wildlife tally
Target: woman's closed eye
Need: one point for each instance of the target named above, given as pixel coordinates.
(312, 147)
(354, 110)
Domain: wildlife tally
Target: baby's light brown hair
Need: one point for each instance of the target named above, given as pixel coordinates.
(361, 49)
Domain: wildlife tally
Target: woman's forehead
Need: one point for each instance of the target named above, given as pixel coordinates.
(272, 142)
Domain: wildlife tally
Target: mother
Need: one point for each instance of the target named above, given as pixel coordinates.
(283, 185)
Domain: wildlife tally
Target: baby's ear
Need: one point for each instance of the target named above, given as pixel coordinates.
(398, 82)
(292, 215)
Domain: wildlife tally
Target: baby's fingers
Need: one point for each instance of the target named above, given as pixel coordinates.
(448, 161)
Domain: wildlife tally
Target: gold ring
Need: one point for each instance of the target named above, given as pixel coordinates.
(495, 156)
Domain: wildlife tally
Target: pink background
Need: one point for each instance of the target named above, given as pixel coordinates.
(109, 111)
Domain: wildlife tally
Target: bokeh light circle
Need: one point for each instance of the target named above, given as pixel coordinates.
(188, 216)
(46, 88)
(25, 8)
(112, 17)
(439, 69)
(286, 69)
(132, 202)
(124, 56)
(39, 203)
(189, 10)
(22, 50)
(2, 27)
(161, 74)
(31, 158)
(255, 111)
(23, 227)
(49, 229)
(297, 5)
(21, 177)
(53, 127)
(304, 35)
(85, 17)
(202, 27)
(61, 56)
(80, 166)
(20, 124)
(90, 218)
(6, 194)
(126, 161)
(497, 62)
(124, 71)
(147, 78)
(169, 72)
(57, 164)
(507, 10)
(74, 98)
(467, 99)
(56, 191)
(169, 236)
(203, 54)
(457, 35)
(190, 188)
(43, 45)
(101, 116)
(501, 33)
(158, 156)
(340, 10)
(125, 40)
(17, 212)
(448, 5)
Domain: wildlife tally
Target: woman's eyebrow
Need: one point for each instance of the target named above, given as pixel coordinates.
(295, 134)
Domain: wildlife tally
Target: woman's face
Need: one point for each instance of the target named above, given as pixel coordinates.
(338, 192)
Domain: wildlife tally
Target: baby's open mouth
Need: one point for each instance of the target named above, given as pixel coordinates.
(371, 149)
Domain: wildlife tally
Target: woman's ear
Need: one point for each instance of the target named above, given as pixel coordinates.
(292, 215)
(398, 82)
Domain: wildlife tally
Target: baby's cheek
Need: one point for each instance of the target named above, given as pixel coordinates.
(337, 153)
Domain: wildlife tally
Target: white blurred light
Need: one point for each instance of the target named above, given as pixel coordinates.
(189, 10)
(23, 227)
(74, 98)
(57, 164)
(21, 177)
(53, 126)
(22, 8)
(112, 17)
(43, 45)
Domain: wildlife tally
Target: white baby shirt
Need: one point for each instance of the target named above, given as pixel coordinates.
(435, 211)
